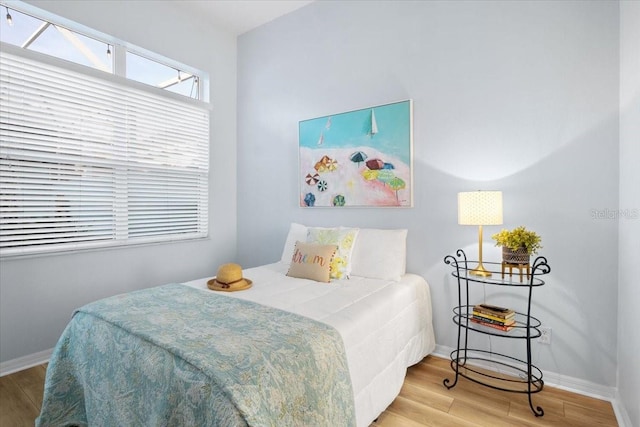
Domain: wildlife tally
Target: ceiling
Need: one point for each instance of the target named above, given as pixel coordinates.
(240, 16)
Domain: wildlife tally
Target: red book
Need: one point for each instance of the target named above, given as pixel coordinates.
(505, 328)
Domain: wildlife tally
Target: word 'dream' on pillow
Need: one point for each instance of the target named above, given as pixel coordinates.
(312, 262)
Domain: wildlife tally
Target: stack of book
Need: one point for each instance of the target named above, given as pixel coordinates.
(495, 317)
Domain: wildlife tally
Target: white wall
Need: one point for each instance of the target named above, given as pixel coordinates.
(516, 96)
(629, 233)
(38, 295)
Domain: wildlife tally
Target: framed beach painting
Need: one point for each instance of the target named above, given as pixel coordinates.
(360, 158)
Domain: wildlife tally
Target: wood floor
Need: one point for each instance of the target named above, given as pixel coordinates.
(423, 401)
(21, 397)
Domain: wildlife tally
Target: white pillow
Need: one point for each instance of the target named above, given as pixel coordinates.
(380, 254)
(297, 232)
(344, 239)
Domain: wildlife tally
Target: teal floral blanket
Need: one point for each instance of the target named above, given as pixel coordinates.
(178, 356)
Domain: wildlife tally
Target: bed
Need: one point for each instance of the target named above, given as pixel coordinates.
(126, 361)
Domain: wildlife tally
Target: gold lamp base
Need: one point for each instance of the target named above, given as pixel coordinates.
(480, 271)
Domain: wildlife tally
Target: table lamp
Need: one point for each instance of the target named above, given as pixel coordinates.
(480, 208)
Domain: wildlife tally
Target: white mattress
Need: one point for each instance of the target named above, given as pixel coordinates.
(385, 325)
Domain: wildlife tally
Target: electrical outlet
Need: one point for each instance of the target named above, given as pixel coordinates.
(545, 337)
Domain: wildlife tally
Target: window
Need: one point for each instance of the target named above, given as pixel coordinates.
(97, 51)
(89, 159)
(154, 73)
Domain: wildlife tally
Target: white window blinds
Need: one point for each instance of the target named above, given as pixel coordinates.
(90, 162)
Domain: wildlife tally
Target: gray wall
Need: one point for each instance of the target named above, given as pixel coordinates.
(629, 294)
(515, 96)
(38, 295)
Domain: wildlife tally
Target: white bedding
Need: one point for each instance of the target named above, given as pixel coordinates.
(385, 325)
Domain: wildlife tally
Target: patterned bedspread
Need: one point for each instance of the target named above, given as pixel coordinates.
(177, 356)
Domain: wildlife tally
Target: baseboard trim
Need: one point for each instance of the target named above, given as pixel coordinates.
(622, 416)
(25, 362)
(574, 385)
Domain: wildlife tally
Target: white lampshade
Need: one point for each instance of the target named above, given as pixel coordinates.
(480, 208)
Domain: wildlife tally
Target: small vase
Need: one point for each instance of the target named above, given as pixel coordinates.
(519, 256)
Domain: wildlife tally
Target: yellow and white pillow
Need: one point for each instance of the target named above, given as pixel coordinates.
(344, 239)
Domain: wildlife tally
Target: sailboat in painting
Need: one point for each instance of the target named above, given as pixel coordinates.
(374, 125)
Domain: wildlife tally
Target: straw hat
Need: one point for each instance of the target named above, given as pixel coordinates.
(229, 279)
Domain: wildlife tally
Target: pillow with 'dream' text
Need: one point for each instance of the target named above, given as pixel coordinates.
(312, 261)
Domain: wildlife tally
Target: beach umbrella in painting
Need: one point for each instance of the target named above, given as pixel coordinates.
(375, 164)
(338, 200)
(396, 184)
(322, 185)
(326, 164)
(358, 157)
(309, 199)
(312, 179)
(320, 167)
(388, 166)
(385, 175)
(369, 174)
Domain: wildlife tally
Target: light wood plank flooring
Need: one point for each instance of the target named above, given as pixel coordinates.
(21, 397)
(423, 401)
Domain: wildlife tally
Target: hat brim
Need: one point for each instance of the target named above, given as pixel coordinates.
(241, 285)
